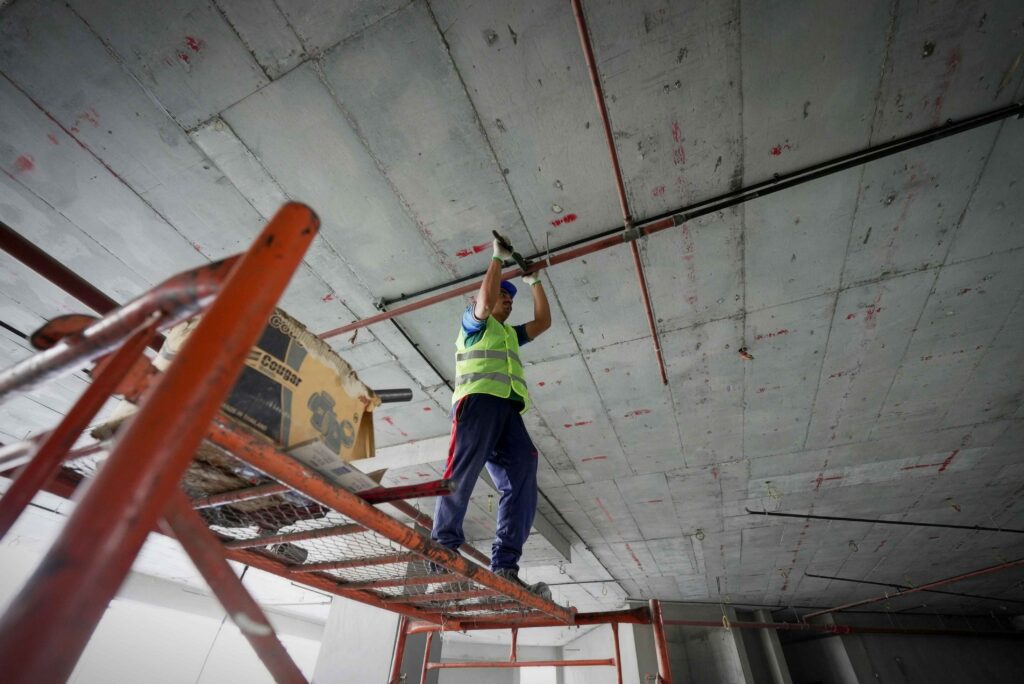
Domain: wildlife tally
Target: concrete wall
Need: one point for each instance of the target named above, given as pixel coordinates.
(906, 659)
(454, 651)
(597, 643)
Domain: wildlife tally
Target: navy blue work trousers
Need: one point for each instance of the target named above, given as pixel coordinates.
(488, 430)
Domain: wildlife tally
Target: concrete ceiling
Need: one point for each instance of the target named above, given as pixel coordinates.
(882, 305)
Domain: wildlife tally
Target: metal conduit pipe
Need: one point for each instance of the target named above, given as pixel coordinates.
(923, 587)
(653, 224)
(620, 186)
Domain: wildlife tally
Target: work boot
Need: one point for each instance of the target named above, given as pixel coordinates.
(539, 588)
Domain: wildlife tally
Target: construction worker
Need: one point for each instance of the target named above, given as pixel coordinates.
(487, 424)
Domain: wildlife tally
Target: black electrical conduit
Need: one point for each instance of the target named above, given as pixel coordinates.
(904, 587)
(806, 516)
(775, 184)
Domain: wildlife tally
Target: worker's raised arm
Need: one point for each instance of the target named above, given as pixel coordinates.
(487, 296)
(541, 311)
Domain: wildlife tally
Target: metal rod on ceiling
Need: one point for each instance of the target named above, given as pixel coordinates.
(924, 587)
(904, 586)
(620, 185)
(653, 224)
(909, 523)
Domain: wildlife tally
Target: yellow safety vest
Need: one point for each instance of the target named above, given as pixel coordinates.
(491, 366)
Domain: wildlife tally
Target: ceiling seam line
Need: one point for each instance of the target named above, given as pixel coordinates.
(738, 173)
(106, 166)
(949, 250)
(85, 234)
(244, 43)
(479, 122)
(350, 120)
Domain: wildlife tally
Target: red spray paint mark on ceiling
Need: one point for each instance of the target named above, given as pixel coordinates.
(588, 459)
(390, 421)
(475, 249)
(578, 423)
(327, 297)
(770, 335)
(880, 545)
(654, 501)
(678, 152)
(821, 478)
(714, 472)
(952, 64)
(541, 383)
(53, 138)
(638, 412)
(194, 44)
(568, 218)
(600, 504)
(635, 559)
(183, 57)
(24, 163)
(777, 150)
(941, 466)
(427, 408)
(658, 191)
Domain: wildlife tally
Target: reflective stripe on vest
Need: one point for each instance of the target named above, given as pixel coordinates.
(492, 366)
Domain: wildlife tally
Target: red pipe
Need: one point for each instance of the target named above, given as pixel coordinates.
(620, 185)
(522, 663)
(396, 662)
(841, 629)
(176, 299)
(389, 559)
(54, 271)
(618, 655)
(50, 621)
(305, 535)
(924, 587)
(426, 658)
(515, 638)
(633, 616)
(379, 495)
(238, 495)
(205, 551)
(660, 643)
(51, 452)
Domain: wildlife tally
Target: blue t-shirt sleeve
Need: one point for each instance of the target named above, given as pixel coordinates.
(474, 329)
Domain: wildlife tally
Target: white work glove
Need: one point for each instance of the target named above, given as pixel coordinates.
(500, 253)
(531, 279)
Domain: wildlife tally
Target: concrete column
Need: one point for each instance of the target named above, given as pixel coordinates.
(773, 650)
(358, 644)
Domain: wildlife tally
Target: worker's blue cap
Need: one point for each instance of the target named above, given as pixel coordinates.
(509, 287)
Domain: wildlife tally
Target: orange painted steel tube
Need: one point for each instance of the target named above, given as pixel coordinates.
(305, 535)
(443, 596)
(500, 664)
(399, 655)
(403, 581)
(924, 587)
(51, 452)
(426, 658)
(238, 495)
(618, 654)
(515, 638)
(620, 185)
(265, 458)
(176, 299)
(660, 643)
(49, 622)
(205, 551)
(633, 616)
(328, 585)
(389, 559)
(426, 522)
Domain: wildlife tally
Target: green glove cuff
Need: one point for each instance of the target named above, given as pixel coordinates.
(498, 259)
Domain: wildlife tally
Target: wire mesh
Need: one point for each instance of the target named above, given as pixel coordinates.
(310, 539)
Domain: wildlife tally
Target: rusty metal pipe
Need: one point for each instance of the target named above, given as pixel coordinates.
(923, 587)
(304, 535)
(49, 622)
(660, 642)
(389, 559)
(379, 495)
(399, 655)
(265, 458)
(618, 655)
(501, 664)
(204, 550)
(426, 658)
(620, 185)
(176, 299)
(51, 452)
(238, 495)
(515, 638)
(54, 271)
(633, 616)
